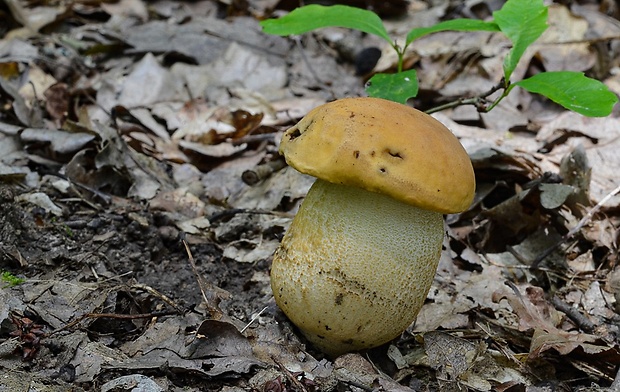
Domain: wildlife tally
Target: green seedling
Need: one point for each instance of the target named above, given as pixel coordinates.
(10, 280)
(68, 231)
(521, 21)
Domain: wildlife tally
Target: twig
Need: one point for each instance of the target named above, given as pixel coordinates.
(480, 101)
(521, 266)
(253, 319)
(262, 172)
(210, 293)
(593, 211)
(107, 199)
(234, 211)
(159, 295)
(109, 315)
(129, 316)
(306, 61)
(322, 84)
(501, 345)
(261, 137)
(575, 229)
(575, 315)
(515, 289)
(201, 283)
(291, 377)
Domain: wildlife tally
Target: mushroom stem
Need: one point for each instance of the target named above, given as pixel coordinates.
(355, 267)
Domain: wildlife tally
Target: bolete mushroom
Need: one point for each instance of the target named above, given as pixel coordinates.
(357, 262)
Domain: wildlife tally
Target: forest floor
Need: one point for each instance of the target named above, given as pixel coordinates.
(142, 197)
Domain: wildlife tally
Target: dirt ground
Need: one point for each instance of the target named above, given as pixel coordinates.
(143, 258)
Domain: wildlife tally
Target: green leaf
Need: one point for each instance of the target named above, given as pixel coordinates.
(10, 279)
(397, 87)
(523, 21)
(574, 91)
(452, 25)
(314, 16)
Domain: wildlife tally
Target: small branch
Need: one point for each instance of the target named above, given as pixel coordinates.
(157, 294)
(306, 61)
(112, 316)
(575, 315)
(262, 172)
(575, 229)
(480, 101)
(593, 211)
(105, 198)
(291, 377)
(253, 319)
(218, 216)
(211, 294)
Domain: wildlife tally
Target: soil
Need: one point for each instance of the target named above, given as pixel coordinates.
(123, 248)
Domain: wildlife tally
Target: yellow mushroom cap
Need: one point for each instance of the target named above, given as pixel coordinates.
(384, 147)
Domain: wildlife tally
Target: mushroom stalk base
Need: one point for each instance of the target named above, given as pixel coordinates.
(355, 267)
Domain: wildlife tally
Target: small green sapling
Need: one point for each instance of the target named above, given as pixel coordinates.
(522, 21)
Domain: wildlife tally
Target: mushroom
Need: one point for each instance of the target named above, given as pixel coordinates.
(358, 260)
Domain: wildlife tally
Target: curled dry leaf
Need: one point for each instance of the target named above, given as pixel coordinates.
(535, 313)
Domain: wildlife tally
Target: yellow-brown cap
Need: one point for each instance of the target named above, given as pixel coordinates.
(383, 147)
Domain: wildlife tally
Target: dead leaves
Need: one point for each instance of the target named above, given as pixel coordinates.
(135, 124)
(536, 313)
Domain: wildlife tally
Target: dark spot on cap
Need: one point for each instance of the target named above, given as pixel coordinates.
(338, 299)
(327, 328)
(295, 134)
(394, 154)
(356, 154)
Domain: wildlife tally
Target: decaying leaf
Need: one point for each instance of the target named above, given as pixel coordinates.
(126, 128)
(216, 348)
(537, 315)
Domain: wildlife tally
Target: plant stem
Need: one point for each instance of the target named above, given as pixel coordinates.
(475, 101)
(480, 101)
(401, 54)
(494, 104)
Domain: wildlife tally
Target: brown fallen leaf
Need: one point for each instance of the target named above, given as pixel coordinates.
(536, 313)
(57, 101)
